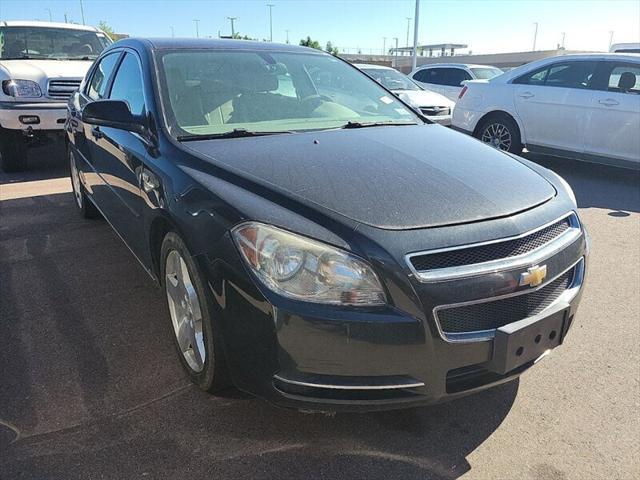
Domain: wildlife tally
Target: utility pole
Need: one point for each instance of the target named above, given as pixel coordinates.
(408, 26)
(173, 34)
(82, 12)
(535, 36)
(270, 5)
(563, 37)
(233, 31)
(384, 45)
(610, 39)
(65, 18)
(197, 22)
(395, 54)
(287, 36)
(414, 61)
(50, 17)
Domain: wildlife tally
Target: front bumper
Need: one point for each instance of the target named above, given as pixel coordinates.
(324, 358)
(50, 116)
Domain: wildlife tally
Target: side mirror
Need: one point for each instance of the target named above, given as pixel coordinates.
(113, 113)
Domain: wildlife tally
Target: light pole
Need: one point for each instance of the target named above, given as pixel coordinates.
(563, 37)
(287, 36)
(233, 31)
(408, 25)
(173, 34)
(50, 17)
(270, 5)
(535, 36)
(395, 54)
(414, 60)
(384, 45)
(65, 18)
(610, 39)
(82, 11)
(197, 22)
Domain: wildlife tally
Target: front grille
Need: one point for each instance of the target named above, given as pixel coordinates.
(492, 251)
(497, 313)
(62, 89)
(435, 111)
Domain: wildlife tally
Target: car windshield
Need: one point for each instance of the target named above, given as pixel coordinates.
(215, 92)
(484, 73)
(50, 43)
(392, 79)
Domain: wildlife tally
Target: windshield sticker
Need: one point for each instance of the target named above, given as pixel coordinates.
(385, 99)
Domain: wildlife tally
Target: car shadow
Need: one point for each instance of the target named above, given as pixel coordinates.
(44, 161)
(595, 185)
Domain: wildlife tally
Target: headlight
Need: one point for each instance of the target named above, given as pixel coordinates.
(21, 88)
(304, 269)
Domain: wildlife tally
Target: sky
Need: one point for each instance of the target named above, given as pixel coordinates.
(487, 26)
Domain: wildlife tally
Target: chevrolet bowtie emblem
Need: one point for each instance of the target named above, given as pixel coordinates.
(534, 276)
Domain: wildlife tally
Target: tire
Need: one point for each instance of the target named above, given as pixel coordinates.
(85, 206)
(501, 132)
(13, 151)
(196, 341)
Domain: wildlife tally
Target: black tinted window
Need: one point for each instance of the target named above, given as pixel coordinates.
(566, 75)
(455, 76)
(100, 79)
(128, 85)
(432, 75)
(624, 78)
(421, 75)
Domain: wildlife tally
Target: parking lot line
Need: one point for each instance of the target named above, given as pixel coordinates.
(12, 191)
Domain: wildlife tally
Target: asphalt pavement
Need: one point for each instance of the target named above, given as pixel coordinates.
(91, 388)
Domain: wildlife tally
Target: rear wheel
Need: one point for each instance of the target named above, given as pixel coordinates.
(85, 206)
(13, 150)
(501, 132)
(191, 310)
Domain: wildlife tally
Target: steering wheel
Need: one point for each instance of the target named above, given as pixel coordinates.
(314, 101)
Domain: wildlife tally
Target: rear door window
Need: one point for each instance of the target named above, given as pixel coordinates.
(578, 74)
(454, 77)
(624, 78)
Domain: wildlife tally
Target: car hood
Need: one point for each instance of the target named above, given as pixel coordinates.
(40, 70)
(424, 98)
(394, 177)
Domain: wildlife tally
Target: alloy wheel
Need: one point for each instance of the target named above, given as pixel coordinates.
(497, 135)
(184, 309)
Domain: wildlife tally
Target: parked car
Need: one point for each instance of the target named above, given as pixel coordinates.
(577, 106)
(320, 256)
(625, 48)
(41, 64)
(434, 106)
(448, 78)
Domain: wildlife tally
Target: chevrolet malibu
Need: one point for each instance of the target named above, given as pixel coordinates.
(322, 253)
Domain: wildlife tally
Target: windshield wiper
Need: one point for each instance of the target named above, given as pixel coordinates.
(374, 124)
(235, 133)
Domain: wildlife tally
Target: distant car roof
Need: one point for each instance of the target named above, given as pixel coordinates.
(372, 66)
(459, 65)
(214, 43)
(30, 23)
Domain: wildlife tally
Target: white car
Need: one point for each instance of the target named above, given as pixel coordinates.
(41, 65)
(432, 105)
(448, 78)
(577, 106)
(625, 48)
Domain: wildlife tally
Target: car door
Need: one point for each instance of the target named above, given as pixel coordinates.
(553, 104)
(95, 89)
(614, 127)
(118, 157)
(453, 79)
(430, 79)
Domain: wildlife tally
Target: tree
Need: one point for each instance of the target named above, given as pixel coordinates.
(310, 43)
(331, 49)
(106, 28)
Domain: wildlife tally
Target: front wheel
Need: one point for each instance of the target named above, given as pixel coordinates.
(501, 132)
(191, 310)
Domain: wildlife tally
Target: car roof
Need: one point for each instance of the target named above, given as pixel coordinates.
(371, 66)
(33, 23)
(458, 65)
(212, 43)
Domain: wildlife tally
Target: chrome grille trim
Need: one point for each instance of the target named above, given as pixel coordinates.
(527, 259)
(485, 335)
(62, 88)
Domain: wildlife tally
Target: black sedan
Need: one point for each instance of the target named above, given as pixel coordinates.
(321, 244)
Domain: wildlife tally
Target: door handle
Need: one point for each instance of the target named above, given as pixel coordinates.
(526, 95)
(609, 102)
(96, 133)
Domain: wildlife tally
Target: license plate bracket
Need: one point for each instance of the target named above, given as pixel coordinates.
(523, 341)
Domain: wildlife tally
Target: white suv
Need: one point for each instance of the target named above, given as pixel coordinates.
(448, 78)
(577, 106)
(41, 65)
